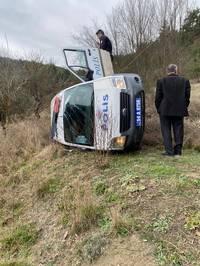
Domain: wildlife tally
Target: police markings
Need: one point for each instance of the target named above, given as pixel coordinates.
(104, 114)
(105, 111)
(97, 65)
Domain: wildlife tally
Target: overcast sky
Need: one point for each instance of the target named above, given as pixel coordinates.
(45, 25)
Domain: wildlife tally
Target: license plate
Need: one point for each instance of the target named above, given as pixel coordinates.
(138, 112)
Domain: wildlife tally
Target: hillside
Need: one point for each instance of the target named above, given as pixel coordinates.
(76, 208)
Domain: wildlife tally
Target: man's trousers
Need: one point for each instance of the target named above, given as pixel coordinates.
(175, 122)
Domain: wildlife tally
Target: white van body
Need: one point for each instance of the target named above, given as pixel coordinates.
(105, 111)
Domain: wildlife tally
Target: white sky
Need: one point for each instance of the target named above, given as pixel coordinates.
(45, 25)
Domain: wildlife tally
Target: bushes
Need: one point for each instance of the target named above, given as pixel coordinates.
(93, 247)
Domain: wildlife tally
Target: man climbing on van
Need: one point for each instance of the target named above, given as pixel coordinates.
(105, 43)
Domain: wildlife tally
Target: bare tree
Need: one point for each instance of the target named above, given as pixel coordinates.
(128, 25)
(87, 35)
(27, 84)
(12, 81)
(133, 23)
(172, 12)
(45, 81)
(112, 30)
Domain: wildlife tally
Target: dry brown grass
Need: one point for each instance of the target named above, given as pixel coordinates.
(86, 210)
(22, 140)
(153, 137)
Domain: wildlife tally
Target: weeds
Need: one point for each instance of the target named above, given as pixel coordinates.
(100, 187)
(2, 202)
(161, 258)
(160, 226)
(120, 226)
(105, 224)
(162, 171)
(197, 148)
(193, 222)
(111, 197)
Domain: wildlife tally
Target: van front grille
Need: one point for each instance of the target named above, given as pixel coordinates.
(124, 112)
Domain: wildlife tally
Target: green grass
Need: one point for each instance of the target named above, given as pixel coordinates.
(100, 187)
(38, 163)
(111, 197)
(142, 193)
(49, 187)
(105, 223)
(20, 239)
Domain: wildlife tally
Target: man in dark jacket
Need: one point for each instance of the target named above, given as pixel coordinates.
(105, 43)
(171, 100)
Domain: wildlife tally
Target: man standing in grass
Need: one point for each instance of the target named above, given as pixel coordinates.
(171, 101)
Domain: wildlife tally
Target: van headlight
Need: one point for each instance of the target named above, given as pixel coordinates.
(118, 142)
(118, 83)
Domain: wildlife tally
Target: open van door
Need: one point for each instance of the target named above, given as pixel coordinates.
(88, 63)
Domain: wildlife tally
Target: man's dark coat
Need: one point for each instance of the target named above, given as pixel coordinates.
(105, 44)
(172, 96)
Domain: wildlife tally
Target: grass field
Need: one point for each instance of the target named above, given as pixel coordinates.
(73, 195)
(82, 207)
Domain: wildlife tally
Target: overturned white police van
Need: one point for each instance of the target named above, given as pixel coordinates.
(105, 112)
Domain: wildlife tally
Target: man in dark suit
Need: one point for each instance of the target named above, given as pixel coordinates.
(105, 43)
(171, 100)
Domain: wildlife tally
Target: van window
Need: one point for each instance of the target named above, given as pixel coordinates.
(77, 62)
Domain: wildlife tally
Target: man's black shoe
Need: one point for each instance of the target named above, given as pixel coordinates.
(167, 154)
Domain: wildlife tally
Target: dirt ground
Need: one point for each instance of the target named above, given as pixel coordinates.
(129, 251)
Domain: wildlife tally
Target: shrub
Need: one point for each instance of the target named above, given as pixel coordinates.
(93, 248)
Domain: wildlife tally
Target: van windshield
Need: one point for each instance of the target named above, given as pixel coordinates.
(79, 115)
